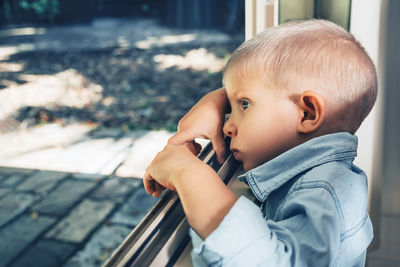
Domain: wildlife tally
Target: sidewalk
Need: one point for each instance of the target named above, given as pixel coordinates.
(48, 218)
(72, 197)
(77, 216)
(71, 191)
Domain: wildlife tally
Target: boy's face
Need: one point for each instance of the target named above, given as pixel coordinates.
(263, 121)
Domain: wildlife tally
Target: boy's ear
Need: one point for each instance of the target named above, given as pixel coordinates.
(311, 112)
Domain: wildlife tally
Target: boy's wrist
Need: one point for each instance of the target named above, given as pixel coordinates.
(187, 171)
(205, 198)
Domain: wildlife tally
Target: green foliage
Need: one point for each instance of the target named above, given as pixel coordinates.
(45, 9)
(7, 10)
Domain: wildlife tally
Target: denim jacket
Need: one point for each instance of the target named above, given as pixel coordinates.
(313, 212)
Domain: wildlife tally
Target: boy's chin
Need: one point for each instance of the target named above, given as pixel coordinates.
(246, 166)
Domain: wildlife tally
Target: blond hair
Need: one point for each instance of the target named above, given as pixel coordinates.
(314, 55)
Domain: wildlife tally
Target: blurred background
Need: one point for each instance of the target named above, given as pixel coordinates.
(90, 90)
(105, 67)
(130, 64)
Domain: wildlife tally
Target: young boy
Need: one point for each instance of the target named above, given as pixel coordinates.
(297, 94)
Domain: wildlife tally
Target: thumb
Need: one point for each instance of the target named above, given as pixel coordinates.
(218, 144)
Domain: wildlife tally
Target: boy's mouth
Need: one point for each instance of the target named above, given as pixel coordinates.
(235, 153)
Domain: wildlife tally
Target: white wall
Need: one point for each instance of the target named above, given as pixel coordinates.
(366, 25)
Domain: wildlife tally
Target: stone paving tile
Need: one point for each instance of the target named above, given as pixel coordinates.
(14, 204)
(99, 248)
(81, 221)
(107, 159)
(79, 155)
(4, 191)
(3, 177)
(15, 145)
(60, 200)
(42, 182)
(145, 146)
(114, 162)
(12, 180)
(47, 158)
(8, 171)
(16, 236)
(89, 176)
(76, 157)
(116, 189)
(136, 207)
(45, 253)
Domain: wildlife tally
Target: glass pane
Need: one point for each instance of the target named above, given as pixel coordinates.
(337, 11)
(295, 10)
(90, 91)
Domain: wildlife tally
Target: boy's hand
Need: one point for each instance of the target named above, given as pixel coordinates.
(204, 196)
(160, 173)
(205, 120)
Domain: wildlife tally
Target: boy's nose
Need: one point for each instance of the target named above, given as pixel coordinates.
(229, 129)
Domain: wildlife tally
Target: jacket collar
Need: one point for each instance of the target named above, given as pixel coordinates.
(271, 175)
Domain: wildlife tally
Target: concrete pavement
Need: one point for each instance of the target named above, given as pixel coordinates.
(78, 216)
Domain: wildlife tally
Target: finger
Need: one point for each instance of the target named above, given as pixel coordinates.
(160, 188)
(181, 137)
(157, 194)
(148, 183)
(218, 144)
(197, 146)
(194, 147)
(149, 186)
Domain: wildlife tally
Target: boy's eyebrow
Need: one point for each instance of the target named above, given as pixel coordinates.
(239, 94)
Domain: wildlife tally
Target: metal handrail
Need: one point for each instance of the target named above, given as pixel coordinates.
(162, 235)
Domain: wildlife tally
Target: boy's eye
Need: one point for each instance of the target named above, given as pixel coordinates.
(245, 104)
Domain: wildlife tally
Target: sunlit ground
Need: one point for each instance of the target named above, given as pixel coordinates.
(102, 107)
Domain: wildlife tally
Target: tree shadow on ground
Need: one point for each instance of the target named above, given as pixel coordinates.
(135, 93)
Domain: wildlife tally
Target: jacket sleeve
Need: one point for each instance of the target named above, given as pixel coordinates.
(306, 235)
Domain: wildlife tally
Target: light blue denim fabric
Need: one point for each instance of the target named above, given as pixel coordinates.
(313, 212)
